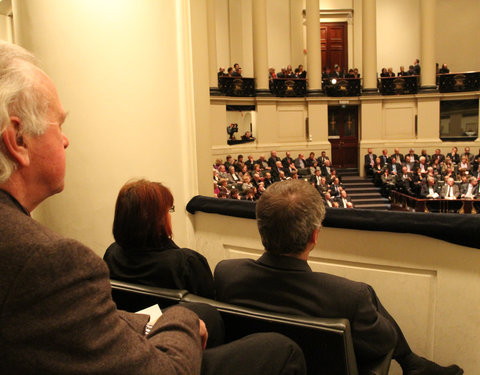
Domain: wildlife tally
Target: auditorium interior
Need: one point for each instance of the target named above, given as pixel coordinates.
(138, 79)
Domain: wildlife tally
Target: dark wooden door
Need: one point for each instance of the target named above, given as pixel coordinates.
(343, 136)
(334, 44)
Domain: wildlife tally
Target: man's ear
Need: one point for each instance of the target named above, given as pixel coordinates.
(314, 238)
(15, 143)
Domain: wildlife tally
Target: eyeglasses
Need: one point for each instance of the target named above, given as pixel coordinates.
(172, 209)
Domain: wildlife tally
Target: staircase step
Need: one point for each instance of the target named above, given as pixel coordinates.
(366, 188)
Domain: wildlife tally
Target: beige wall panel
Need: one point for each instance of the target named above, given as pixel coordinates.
(218, 124)
(457, 34)
(236, 33)
(398, 30)
(297, 44)
(222, 29)
(336, 4)
(398, 121)
(318, 123)
(431, 287)
(371, 120)
(247, 61)
(429, 119)
(126, 115)
(4, 27)
(291, 123)
(267, 122)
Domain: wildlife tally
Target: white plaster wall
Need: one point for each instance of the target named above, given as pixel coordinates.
(398, 30)
(222, 28)
(123, 72)
(279, 40)
(431, 287)
(3, 27)
(457, 35)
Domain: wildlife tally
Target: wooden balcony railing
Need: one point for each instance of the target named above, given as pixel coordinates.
(403, 202)
(458, 82)
(342, 87)
(236, 86)
(291, 87)
(398, 85)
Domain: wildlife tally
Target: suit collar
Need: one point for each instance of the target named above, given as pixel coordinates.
(8, 198)
(284, 262)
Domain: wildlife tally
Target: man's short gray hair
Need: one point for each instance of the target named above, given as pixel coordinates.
(21, 95)
(287, 214)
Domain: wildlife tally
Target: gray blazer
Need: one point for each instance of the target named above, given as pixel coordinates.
(58, 317)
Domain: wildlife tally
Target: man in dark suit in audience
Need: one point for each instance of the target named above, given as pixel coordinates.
(56, 307)
(289, 218)
(316, 179)
(272, 160)
(369, 162)
(430, 189)
(398, 156)
(276, 169)
(322, 159)
(300, 162)
(384, 158)
(437, 155)
(287, 160)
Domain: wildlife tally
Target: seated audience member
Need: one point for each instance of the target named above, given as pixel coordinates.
(247, 136)
(404, 181)
(430, 189)
(282, 177)
(422, 165)
(244, 171)
(268, 180)
(216, 190)
(450, 190)
(388, 183)
(301, 72)
(233, 176)
(221, 72)
(329, 201)
(250, 162)
(315, 179)
(247, 183)
(229, 162)
(390, 73)
(257, 168)
(260, 190)
(327, 169)
(437, 155)
(276, 169)
(398, 156)
(272, 160)
(344, 201)
(216, 178)
(418, 181)
(335, 188)
(311, 161)
(464, 165)
(323, 187)
(428, 158)
(250, 194)
(58, 316)
(394, 167)
(223, 187)
(369, 162)
(411, 71)
(229, 71)
(322, 159)
(470, 191)
(414, 156)
(256, 180)
(378, 172)
(218, 163)
(262, 162)
(289, 218)
(222, 195)
(453, 155)
(234, 194)
(294, 176)
(222, 172)
(287, 160)
(444, 69)
(300, 162)
(410, 164)
(384, 158)
(144, 252)
(239, 163)
(402, 72)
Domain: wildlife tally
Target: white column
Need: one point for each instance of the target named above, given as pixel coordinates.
(427, 45)
(369, 41)
(314, 51)
(260, 45)
(212, 47)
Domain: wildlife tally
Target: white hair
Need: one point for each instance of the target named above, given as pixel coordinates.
(20, 96)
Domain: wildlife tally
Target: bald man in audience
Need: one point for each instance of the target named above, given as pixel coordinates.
(450, 190)
(289, 218)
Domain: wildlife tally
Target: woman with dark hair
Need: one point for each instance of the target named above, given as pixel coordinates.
(144, 252)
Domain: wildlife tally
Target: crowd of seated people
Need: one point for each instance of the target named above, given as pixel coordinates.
(413, 70)
(287, 72)
(337, 72)
(437, 176)
(247, 180)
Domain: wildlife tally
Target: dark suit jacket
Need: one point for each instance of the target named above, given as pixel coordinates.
(167, 266)
(288, 285)
(58, 317)
(366, 160)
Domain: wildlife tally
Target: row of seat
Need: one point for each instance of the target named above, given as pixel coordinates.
(327, 343)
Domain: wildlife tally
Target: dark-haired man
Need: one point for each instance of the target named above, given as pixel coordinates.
(289, 219)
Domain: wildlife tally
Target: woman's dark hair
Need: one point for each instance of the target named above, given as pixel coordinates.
(141, 215)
